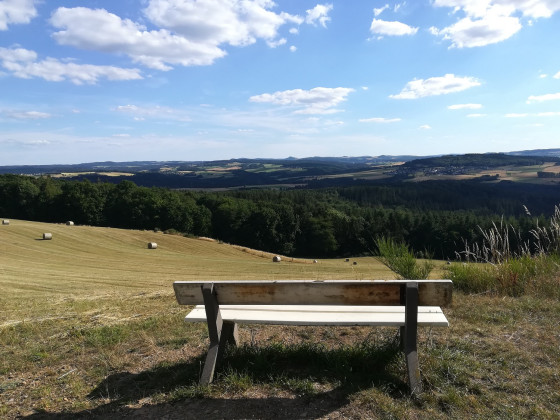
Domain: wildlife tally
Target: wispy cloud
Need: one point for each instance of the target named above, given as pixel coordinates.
(465, 106)
(379, 120)
(378, 11)
(543, 98)
(24, 64)
(420, 88)
(319, 100)
(26, 115)
(140, 113)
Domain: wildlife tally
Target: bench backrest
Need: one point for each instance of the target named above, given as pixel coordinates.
(311, 292)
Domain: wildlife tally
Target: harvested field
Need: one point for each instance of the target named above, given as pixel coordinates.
(90, 328)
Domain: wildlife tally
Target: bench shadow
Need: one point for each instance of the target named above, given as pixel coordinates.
(294, 369)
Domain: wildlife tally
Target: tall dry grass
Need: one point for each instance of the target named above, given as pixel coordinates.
(503, 263)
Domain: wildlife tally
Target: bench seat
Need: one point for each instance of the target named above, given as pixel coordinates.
(406, 304)
(380, 316)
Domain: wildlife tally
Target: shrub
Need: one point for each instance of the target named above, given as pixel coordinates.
(398, 257)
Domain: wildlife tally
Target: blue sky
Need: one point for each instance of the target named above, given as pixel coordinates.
(127, 80)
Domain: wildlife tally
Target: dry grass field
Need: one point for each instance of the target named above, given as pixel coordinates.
(89, 328)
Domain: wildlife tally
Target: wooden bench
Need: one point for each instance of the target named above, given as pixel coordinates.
(406, 304)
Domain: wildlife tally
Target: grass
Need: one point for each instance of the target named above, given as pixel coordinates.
(511, 266)
(399, 259)
(90, 327)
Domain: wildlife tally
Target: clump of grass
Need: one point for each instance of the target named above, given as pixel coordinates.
(398, 257)
(526, 275)
(504, 264)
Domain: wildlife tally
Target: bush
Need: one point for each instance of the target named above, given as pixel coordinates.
(397, 257)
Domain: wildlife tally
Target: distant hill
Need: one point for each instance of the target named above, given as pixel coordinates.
(537, 152)
(313, 172)
(486, 160)
(345, 162)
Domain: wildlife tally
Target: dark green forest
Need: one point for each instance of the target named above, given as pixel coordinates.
(435, 217)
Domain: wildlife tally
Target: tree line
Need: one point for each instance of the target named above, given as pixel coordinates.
(434, 218)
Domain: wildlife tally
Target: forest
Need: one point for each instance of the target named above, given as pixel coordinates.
(434, 217)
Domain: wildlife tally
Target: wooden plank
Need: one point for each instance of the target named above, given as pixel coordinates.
(215, 323)
(411, 338)
(309, 292)
(322, 315)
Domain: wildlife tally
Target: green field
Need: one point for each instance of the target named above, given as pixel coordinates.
(89, 327)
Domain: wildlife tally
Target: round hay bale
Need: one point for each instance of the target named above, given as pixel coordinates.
(69, 223)
(355, 263)
(47, 236)
(347, 260)
(152, 245)
(276, 258)
(5, 222)
(314, 261)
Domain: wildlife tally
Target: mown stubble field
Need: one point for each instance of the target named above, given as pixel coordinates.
(90, 328)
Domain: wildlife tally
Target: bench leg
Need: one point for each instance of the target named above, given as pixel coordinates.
(229, 336)
(410, 338)
(215, 324)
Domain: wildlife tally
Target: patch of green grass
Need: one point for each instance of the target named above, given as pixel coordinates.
(524, 275)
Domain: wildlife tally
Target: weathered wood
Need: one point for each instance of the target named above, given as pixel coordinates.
(309, 292)
(402, 303)
(378, 316)
(411, 337)
(214, 332)
(230, 336)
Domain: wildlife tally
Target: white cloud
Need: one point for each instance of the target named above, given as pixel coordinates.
(540, 114)
(479, 8)
(16, 11)
(425, 127)
(319, 13)
(293, 48)
(548, 114)
(215, 22)
(382, 27)
(319, 100)
(189, 32)
(557, 75)
(420, 88)
(27, 115)
(103, 31)
(532, 8)
(543, 98)
(468, 33)
(23, 63)
(465, 106)
(378, 11)
(277, 43)
(140, 113)
(490, 21)
(380, 120)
